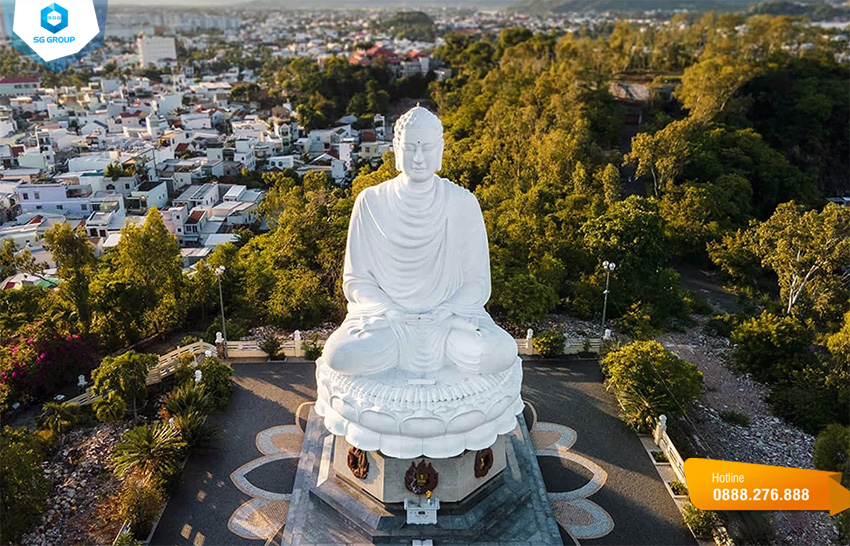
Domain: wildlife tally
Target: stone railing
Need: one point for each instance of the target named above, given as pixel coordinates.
(571, 346)
(663, 441)
(167, 365)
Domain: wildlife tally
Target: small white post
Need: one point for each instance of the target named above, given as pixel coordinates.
(297, 337)
(529, 341)
(660, 429)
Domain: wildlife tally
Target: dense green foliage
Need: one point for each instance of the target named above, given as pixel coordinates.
(217, 382)
(648, 381)
(415, 26)
(152, 452)
(549, 343)
(23, 485)
(832, 453)
(770, 347)
(125, 376)
(140, 504)
(701, 522)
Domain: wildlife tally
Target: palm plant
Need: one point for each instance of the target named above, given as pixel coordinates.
(110, 408)
(58, 417)
(194, 430)
(151, 451)
(186, 399)
(641, 409)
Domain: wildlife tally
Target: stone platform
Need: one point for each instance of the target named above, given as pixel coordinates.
(512, 508)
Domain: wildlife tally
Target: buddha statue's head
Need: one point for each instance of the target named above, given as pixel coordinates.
(418, 145)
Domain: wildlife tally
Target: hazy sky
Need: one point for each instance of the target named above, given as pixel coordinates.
(299, 4)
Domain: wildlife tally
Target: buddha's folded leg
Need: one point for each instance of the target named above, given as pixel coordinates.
(487, 351)
(352, 351)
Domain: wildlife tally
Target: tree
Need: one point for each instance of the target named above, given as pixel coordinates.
(663, 155)
(708, 85)
(152, 452)
(808, 251)
(631, 234)
(74, 256)
(23, 485)
(649, 381)
(126, 375)
(150, 257)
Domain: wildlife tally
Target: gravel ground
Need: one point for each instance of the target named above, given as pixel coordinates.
(767, 439)
(80, 506)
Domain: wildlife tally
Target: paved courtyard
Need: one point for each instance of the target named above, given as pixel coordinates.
(602, 486)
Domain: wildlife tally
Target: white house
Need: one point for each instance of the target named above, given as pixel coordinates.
(19, 86)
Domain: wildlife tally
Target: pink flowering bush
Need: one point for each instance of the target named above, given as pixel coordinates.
(40, 360)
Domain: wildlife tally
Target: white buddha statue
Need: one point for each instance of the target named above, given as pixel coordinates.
(418, 366)
(417, 270)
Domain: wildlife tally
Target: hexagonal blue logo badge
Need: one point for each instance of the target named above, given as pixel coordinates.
(46, 31)
(54, 18)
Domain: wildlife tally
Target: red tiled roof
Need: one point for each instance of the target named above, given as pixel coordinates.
(195, 217)
(22, 79)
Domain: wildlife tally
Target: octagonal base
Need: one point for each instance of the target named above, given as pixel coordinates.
(385, 480)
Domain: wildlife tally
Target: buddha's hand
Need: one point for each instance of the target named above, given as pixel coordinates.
(440, 315)
(395, 315)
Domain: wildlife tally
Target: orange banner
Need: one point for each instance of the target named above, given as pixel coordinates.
(725, 485)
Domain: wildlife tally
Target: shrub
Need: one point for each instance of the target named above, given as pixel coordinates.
(832, 453)
(216, 378)
(312, 350)
(185, 399)
(110, 408)
(805, 400)
(194, 430)
(270, 345)
(140, 504)
(152, 452)
(637, 321)
(722, 325)
(127, 539)
(660, 457)
(678, 488)
(771, 347)
(648, 380)
(549, 343)
(832, 450)
(23, 485)
(41, 361)
(185, 371)
(697, 304)
(701, 522)
(188, 340)
(234, 331)
(735, 418)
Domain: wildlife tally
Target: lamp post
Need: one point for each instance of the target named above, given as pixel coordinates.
(608, 267)
(219, 271)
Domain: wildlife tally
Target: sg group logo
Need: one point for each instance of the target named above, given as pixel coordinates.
(55, 33)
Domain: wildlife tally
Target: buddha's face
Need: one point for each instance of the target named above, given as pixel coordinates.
(421, 153)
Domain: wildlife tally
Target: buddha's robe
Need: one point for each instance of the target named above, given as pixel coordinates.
(417, 276)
